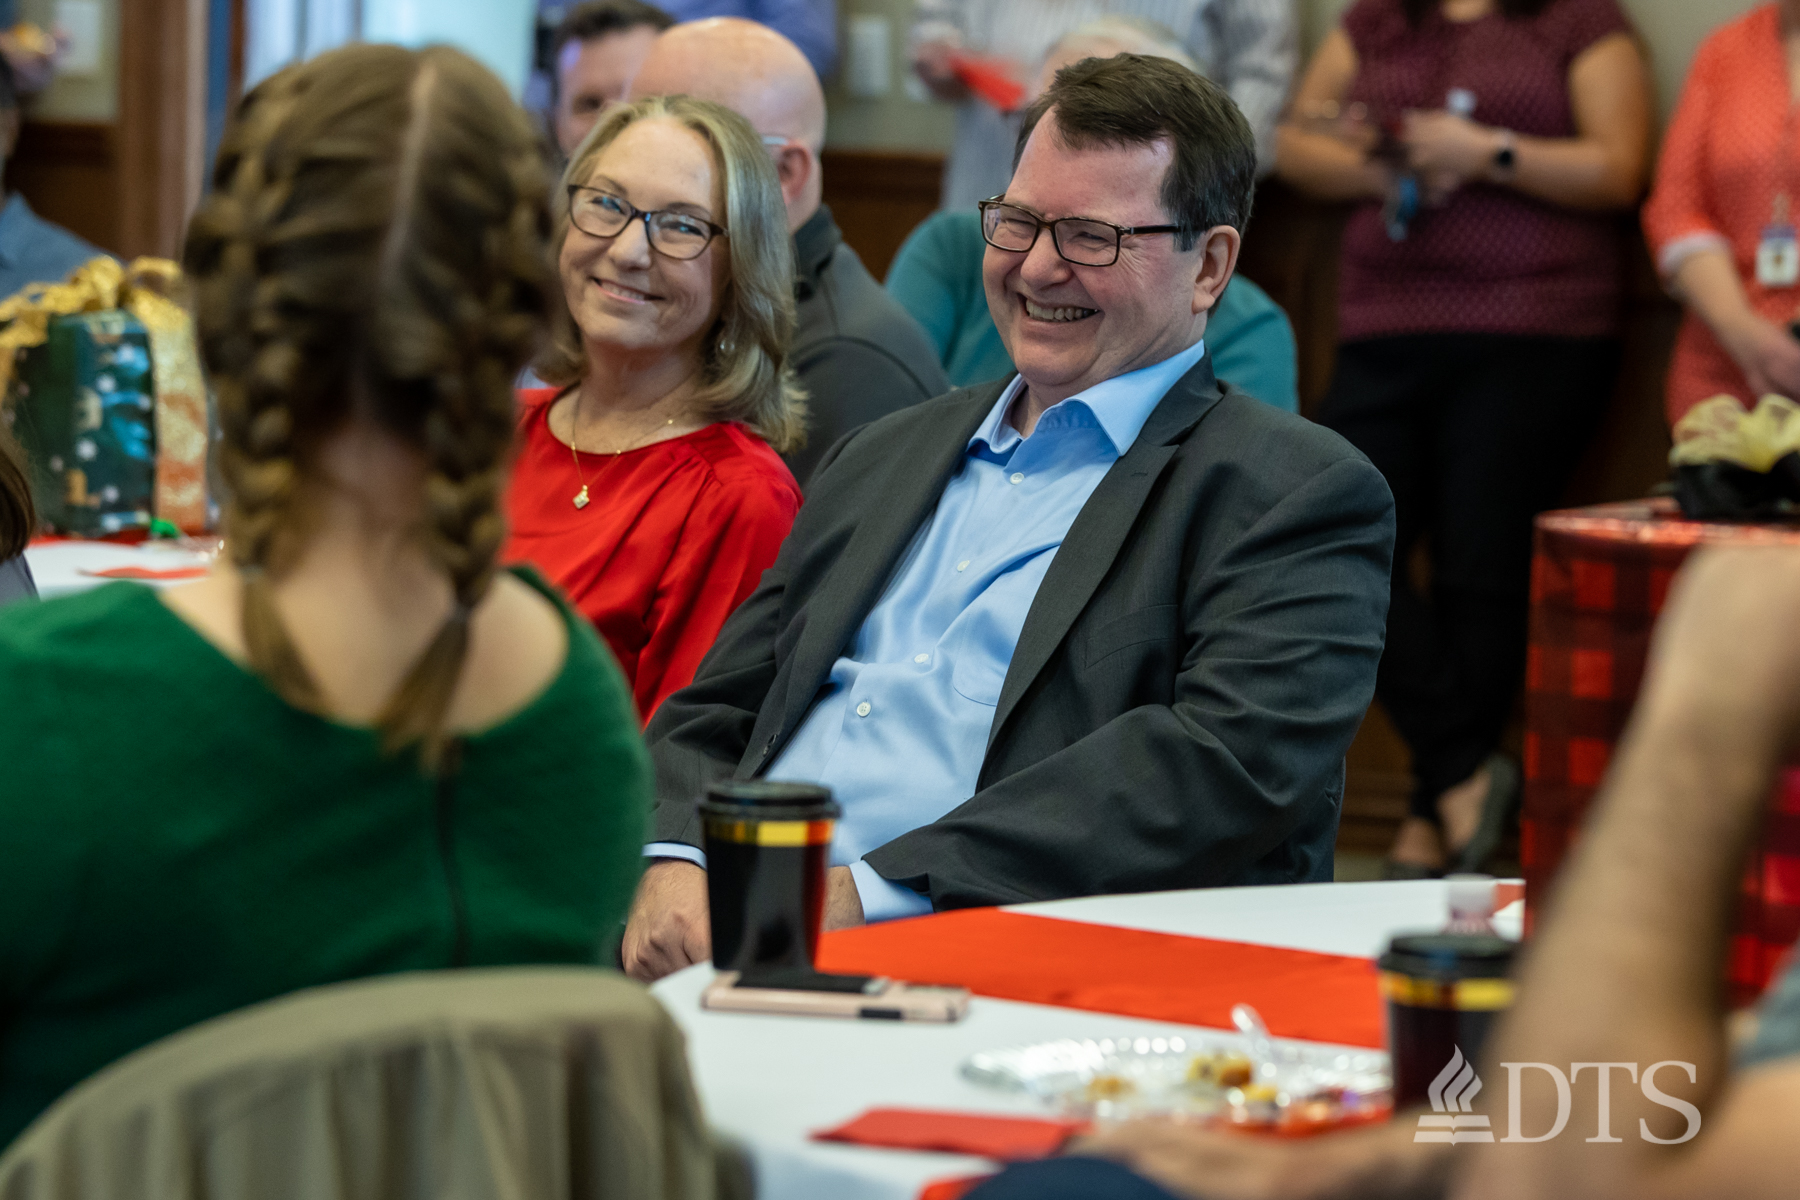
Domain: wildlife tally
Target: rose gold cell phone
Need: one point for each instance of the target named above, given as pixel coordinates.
(809, 994)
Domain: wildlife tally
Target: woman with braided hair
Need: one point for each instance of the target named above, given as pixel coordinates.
(648, 486)
(357, 747)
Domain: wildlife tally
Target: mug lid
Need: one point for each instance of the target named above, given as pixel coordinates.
(768, 800)
(1449, 955)
(766, 791)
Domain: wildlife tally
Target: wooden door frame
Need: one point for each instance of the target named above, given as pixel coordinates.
(161, 127)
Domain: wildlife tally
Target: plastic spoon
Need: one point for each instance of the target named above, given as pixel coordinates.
(1261, 1046)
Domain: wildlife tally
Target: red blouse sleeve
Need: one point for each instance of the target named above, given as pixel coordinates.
(1678, 208)
(730, 538)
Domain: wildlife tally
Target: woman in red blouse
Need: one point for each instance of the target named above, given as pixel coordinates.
(649, 485)
(1727, 186)
(1487, 146)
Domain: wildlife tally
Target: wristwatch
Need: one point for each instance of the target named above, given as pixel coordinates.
(1506, 157)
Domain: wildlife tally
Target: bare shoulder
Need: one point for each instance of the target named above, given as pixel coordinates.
(517, 646)
(214, 607)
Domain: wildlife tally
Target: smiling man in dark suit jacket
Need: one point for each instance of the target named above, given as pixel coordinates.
(1107, 627)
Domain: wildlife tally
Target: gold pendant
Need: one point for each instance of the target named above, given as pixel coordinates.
(581, 497)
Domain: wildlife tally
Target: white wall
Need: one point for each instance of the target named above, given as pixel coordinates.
(90, 97)
(498, 32)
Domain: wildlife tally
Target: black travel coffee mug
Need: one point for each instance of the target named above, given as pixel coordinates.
(767, 845)
(1444, 991)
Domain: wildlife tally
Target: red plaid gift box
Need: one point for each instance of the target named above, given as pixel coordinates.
(1598, 582)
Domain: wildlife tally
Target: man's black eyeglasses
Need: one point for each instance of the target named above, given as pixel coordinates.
(1080, 240)
(674, 234)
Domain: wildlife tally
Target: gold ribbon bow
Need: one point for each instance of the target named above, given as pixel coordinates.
(1719, 430)
(148, 290)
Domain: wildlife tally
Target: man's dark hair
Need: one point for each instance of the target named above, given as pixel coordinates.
(1135, 100)
(603, 18)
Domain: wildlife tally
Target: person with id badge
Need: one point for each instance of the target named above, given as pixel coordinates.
(1720, 220)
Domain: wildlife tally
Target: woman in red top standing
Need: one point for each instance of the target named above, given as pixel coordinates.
(1722, 216)
(1488, 146)
(649, 485)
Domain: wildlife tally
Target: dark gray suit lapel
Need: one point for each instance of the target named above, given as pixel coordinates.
(916, 478)
(1099, 532)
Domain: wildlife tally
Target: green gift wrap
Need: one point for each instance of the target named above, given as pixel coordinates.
(84, 406)
(100, 380)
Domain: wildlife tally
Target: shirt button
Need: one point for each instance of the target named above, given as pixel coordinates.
(963, 565)
(921, 658)
(1017, 477)
(862, 710)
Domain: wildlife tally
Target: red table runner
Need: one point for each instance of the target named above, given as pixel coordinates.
(985, 1135)
(1599, 581)
(1132, 972)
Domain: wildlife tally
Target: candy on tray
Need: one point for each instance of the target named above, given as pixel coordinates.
(1300, 1088)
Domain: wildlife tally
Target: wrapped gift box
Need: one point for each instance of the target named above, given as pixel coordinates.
(91, 438)
(1599, 581)
(101, 384)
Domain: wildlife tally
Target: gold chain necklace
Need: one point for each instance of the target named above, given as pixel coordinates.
(581, 497)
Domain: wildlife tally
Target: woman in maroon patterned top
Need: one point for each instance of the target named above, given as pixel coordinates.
(1488, 146)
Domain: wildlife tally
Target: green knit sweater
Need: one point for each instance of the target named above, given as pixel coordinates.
(177, 842)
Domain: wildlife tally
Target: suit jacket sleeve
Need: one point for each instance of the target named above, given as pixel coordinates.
(1282, 632)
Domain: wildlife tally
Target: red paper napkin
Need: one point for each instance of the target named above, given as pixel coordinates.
(1103, 968)
(149, 573)
(951, 1189)
(982, 1134)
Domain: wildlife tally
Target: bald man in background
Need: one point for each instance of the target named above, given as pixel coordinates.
(860, 355)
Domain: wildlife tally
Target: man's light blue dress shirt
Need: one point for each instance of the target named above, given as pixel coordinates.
(901, 727)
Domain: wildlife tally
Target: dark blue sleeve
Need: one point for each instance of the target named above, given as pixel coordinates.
(809, 24)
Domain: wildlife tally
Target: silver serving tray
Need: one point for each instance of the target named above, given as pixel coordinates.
(1154, 1072)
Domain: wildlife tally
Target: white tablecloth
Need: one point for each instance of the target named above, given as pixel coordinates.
(770, 1080)
(59, 568)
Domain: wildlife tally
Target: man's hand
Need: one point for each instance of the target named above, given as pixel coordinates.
(669, 927)
(931, 61)
(843, 904)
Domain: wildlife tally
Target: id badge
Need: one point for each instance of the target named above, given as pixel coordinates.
(1778, 257)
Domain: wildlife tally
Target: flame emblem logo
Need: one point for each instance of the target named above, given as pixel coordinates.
(1452, 1093)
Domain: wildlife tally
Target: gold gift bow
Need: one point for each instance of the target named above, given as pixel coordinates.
(146, 289)
(1719, 430)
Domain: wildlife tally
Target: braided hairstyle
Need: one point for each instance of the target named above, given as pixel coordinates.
(375, 245)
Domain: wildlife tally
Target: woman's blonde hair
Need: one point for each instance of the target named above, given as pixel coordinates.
(375, 245)
(745, 374)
